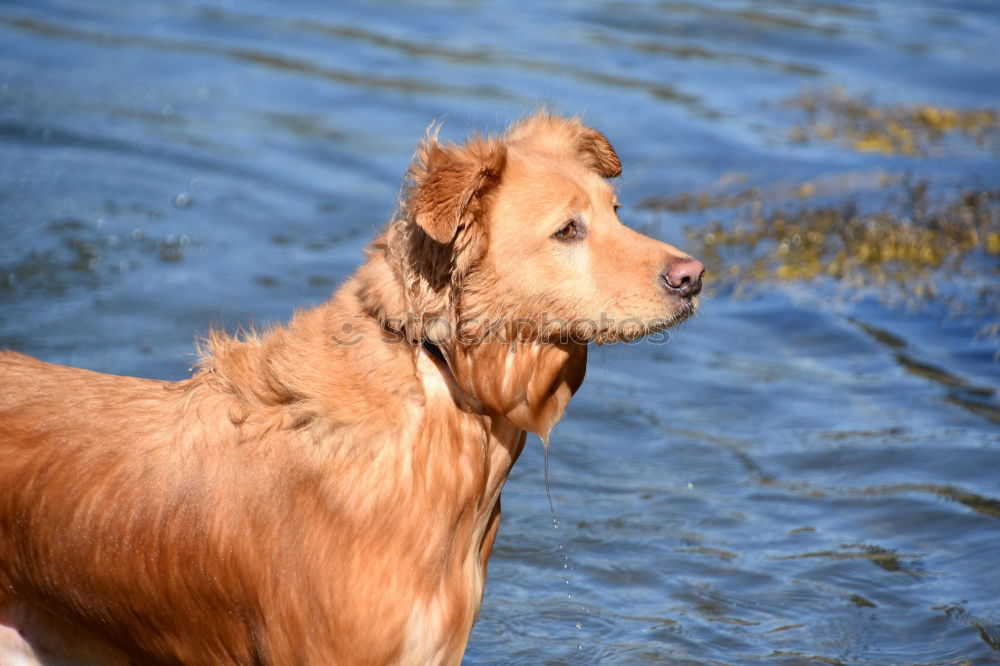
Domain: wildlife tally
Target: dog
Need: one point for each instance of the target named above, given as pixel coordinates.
(328, 491)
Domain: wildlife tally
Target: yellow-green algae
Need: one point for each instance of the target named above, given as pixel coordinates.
(909, 257)
(898, 129)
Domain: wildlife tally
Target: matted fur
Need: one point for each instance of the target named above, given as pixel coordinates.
(328, 491)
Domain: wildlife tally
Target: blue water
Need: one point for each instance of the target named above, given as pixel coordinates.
(796, 477)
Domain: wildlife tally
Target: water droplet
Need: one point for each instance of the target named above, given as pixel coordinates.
(548, 489)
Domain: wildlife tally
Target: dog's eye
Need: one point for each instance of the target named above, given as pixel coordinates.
(572, 229)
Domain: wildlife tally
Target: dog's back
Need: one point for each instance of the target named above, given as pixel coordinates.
(173, 521)
(102, 502)
(58, 425)
(58, 421)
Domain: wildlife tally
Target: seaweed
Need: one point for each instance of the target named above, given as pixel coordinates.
(913, 252)
(896, 129)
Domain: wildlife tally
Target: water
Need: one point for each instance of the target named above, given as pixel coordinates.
(803, 474)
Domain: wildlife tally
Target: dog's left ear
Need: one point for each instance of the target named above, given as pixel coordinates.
(596, 152)
(415, 272)
(449, 184)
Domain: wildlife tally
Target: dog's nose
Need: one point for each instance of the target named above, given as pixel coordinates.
(683, 277)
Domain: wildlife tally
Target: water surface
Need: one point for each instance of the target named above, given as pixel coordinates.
(805, 473)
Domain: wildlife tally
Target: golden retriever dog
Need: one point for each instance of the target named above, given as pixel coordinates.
(328, 492)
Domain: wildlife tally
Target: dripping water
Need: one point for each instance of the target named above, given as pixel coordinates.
(548, 489)
(567, 568)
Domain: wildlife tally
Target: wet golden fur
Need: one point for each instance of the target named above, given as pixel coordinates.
(327, 492)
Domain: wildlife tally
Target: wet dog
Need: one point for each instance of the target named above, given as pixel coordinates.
(328, 492)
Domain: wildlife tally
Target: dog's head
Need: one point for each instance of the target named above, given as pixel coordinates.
(518, 237)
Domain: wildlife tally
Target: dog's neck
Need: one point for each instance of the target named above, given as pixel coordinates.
(527, 383)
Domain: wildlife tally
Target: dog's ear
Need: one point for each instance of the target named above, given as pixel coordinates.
(448, 184)
(415, 269)
(596, 152)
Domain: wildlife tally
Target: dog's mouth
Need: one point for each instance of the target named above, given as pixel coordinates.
(687, 308)
(603, 329)
(631, 329)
